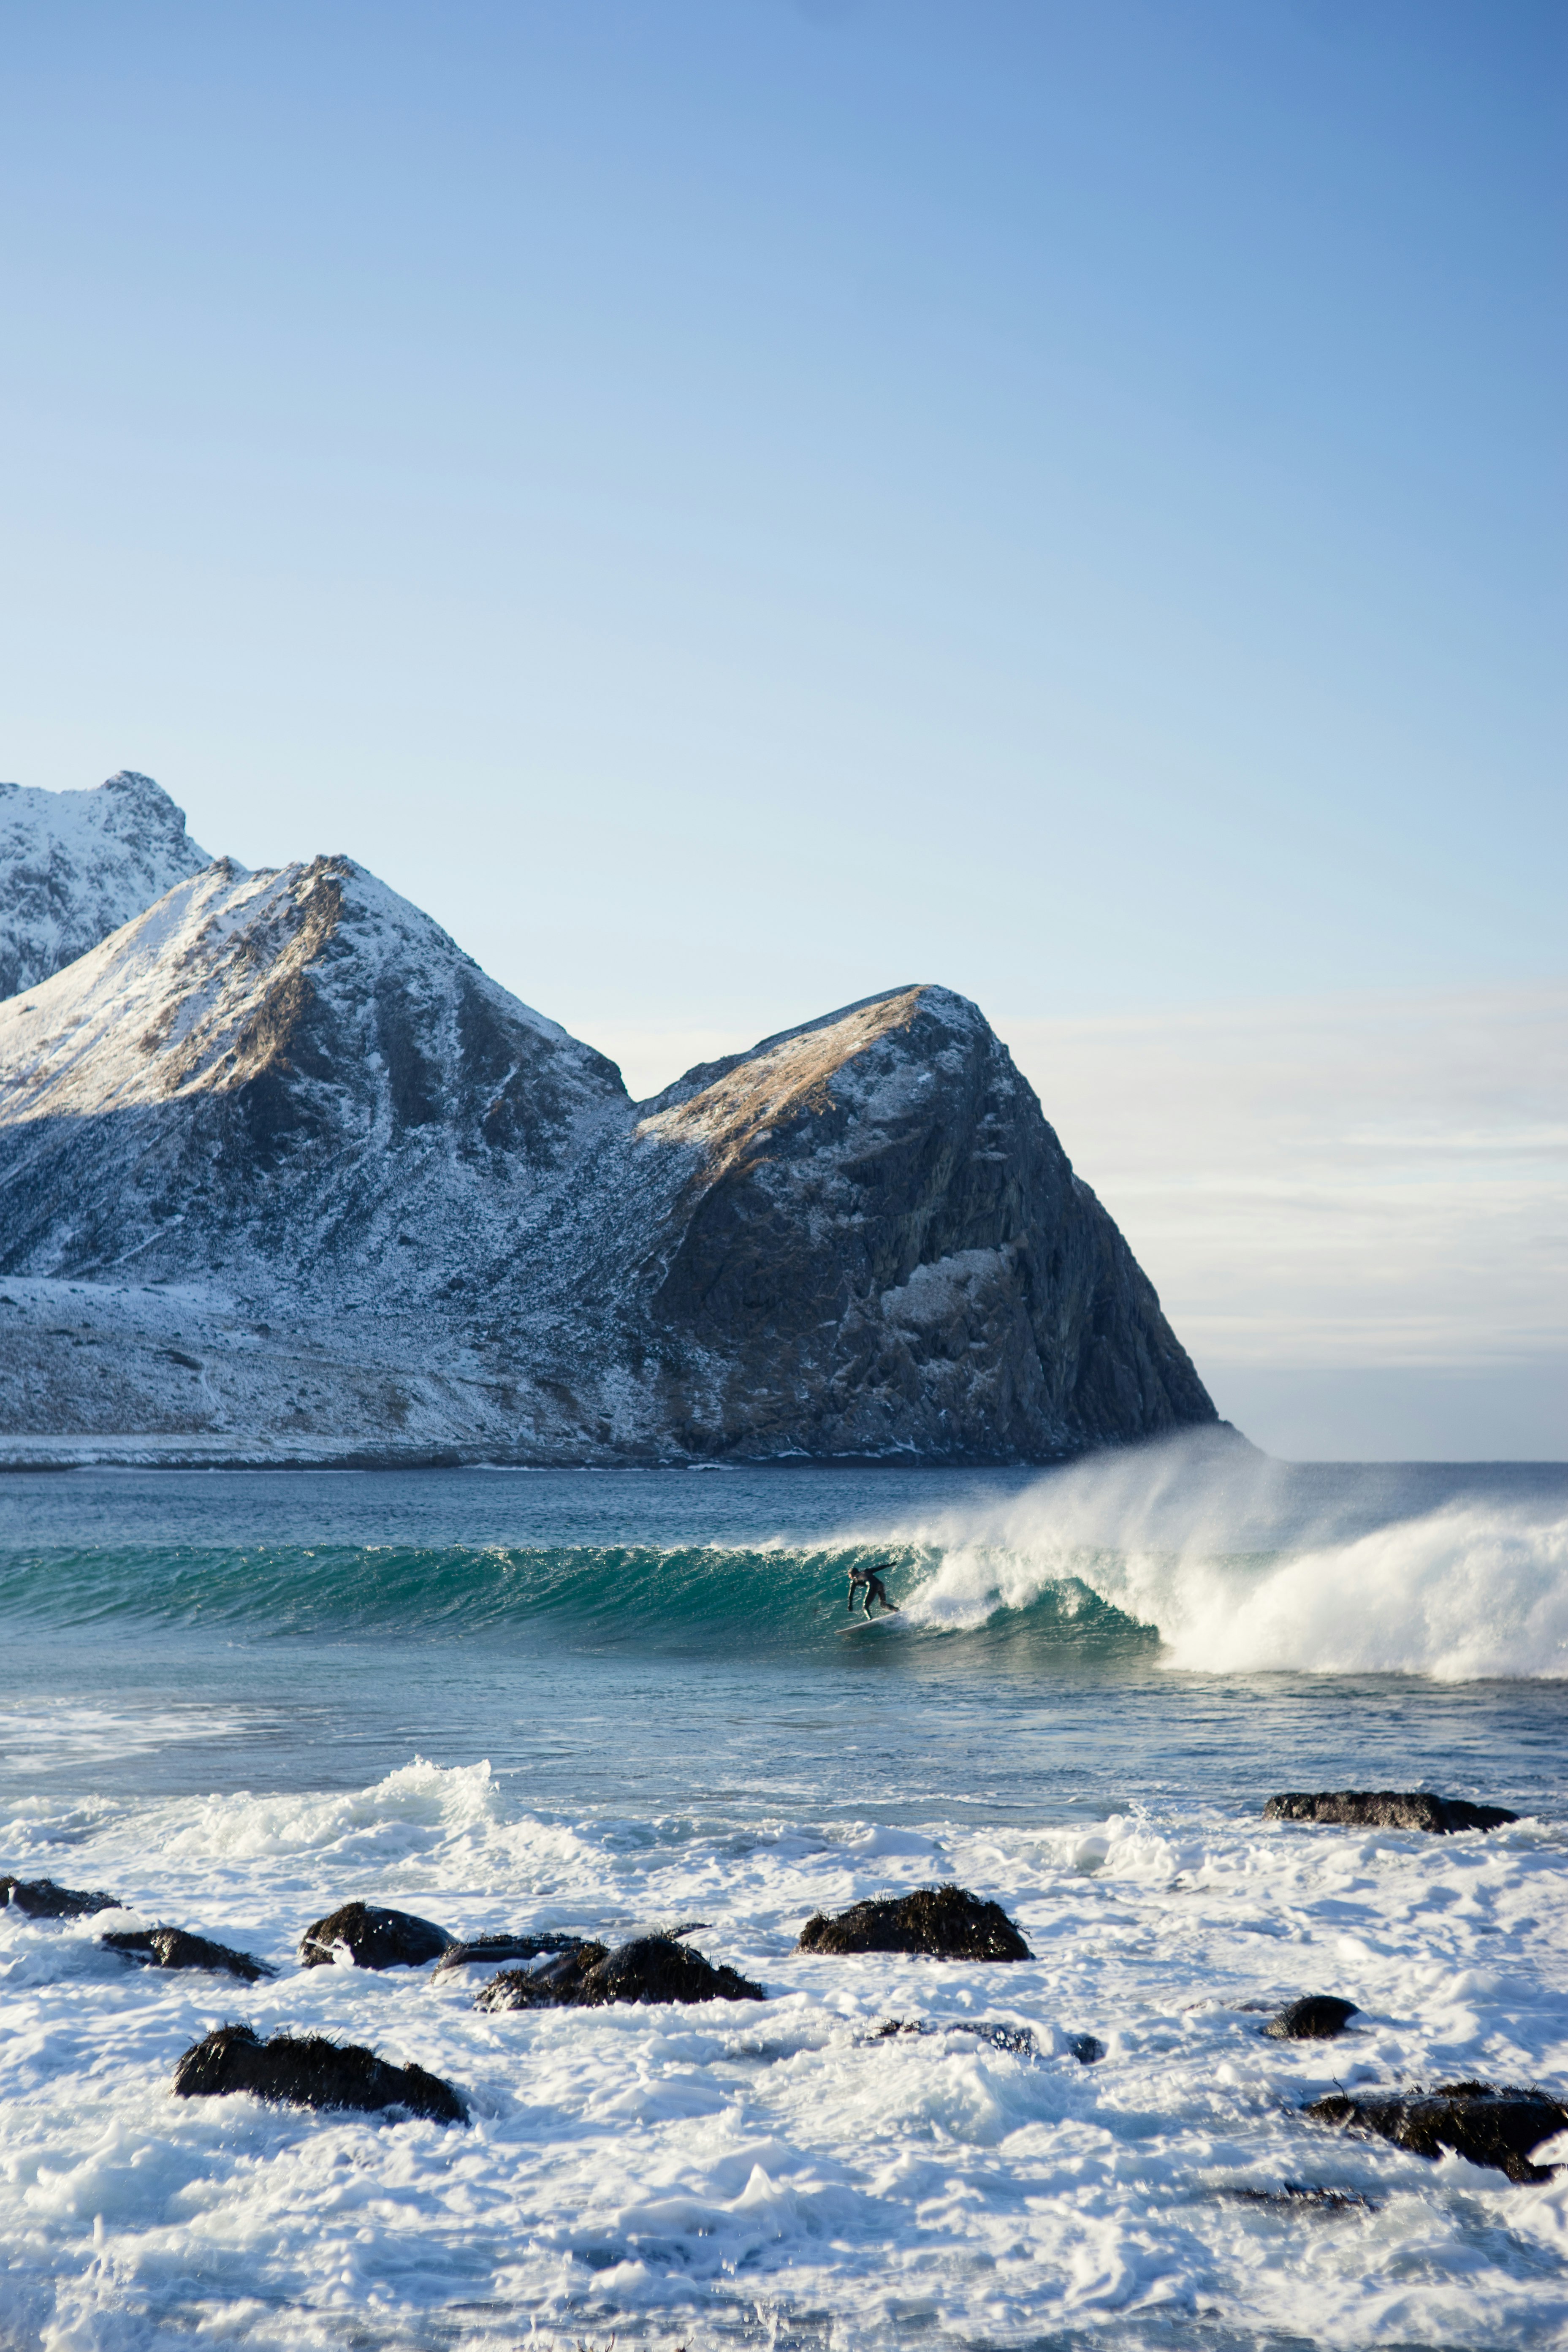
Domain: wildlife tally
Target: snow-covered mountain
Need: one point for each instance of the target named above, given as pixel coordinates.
(282, 1170)
(75, 865)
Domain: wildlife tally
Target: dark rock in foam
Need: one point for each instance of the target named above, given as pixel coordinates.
(1316, 2017)
(171, 1948)
(947, 1923)
(553, 1985)
(1386, 1809)
(309, 2071)
(40, 1898)
(657, 1968)
(1489, 2123)
(485, 1951)
(649, 1969)
(373, 1937)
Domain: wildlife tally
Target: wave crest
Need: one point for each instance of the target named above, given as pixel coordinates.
(1464, 1593)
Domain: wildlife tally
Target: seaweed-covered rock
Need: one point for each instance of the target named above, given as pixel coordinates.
(1386, 1809)
(40, 1898)
(1316, 2017)
(657, 1968)
(373, 1937)
(553, 1986)
(946, 1922)
(485, 1951)
(309, 2071)
(651, 1968)
(1487, 2122)
(171, 1948)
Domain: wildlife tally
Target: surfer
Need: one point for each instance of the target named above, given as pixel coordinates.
(868, 1580)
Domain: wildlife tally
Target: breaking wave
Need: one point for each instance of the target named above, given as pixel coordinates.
(1462, 1596)
(1237, 1563)
(1465, 1592)
(612, 1596)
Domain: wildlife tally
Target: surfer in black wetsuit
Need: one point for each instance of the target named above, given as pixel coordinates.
(868, 1581)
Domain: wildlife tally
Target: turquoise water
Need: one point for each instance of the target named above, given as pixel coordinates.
(575, 1624)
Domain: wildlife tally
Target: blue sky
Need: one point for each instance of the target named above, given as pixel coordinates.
(735, 506)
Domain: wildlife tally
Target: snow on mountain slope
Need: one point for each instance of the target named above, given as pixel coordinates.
(75, 865)
(404, 1215)
(278, 1073)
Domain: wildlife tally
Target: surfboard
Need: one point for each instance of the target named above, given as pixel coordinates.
(864, 1624)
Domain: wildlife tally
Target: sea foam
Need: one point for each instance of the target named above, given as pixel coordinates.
(744, 2176)
(1473, 1590)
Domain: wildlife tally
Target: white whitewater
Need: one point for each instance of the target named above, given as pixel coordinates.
(607, 1702)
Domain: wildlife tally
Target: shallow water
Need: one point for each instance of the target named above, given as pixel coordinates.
(605, 1701)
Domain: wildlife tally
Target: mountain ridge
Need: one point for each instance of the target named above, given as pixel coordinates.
(74, 866)
(291, 1096)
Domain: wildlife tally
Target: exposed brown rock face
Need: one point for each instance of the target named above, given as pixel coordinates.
(308, 2070)
(1387, 1809)
(947, 1923)
(409, 1216)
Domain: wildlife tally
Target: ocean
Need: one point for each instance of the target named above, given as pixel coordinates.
(609, 1702)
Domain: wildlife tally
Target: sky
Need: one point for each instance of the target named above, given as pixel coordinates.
(734, 507)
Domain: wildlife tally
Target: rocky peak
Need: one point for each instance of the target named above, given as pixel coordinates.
(879, 1246)
(859, 1240)
(290, 1063)
(76, 865)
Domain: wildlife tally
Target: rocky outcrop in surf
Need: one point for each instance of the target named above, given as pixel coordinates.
(75, 865)
(1387, 1809)
(174, 1948)
(553, 1984)
(371, 1935)
(488, 1951)
(40, 1898)
(1316, 2017)
(308, 2070)
(279, 1163)
(657, 1968)
(651, 1968)
(1488, 2124)
(947, 1923)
